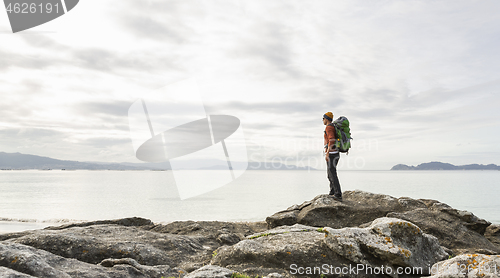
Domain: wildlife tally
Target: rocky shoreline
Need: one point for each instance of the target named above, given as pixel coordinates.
(366, 235)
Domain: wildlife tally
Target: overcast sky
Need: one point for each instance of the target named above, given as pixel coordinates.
(419, 80)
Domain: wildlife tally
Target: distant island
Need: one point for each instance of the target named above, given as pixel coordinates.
(19, 161)
(445, 166)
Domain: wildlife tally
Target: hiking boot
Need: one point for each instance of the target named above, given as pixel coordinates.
(336, 198)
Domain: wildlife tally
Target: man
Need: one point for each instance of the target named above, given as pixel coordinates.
(332, 156)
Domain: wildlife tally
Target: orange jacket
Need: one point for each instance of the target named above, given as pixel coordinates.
(330, 136)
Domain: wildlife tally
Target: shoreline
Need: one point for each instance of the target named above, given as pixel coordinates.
(25, 225)
(7, 227)
(404, 232)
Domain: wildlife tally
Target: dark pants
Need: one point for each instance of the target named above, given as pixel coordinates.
(332, 175)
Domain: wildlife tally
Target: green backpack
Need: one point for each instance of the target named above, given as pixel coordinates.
(343, 134)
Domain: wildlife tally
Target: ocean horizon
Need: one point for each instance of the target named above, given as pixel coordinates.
(33, 199)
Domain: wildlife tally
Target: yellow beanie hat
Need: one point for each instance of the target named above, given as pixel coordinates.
(328, 116)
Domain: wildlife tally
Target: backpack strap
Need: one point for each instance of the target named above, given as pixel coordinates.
(334, 129)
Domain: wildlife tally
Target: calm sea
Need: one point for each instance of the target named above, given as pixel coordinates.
(39, 198)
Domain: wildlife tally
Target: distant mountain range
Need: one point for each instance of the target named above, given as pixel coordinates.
(445, 166)
(19, 161)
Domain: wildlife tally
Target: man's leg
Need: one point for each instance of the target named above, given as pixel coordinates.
(332, 175)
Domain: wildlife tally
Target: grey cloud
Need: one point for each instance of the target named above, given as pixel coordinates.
(106, 60)
(30, 133)
(103, 124)
(33, 86)
(165, 21)
(390, 105)
(269, 42)
(117, 108)
(104, 142)
(326, 88)
(22, 137)
(14, 112)
(52, 143)
(99, 59)
(375, 113)
(41, 41)
(99, 126)
(93, 59)
(285, 107)
(148, 28)
(158, 6)
(383, 95)
(8, 60)
(260, 126)
(367, 127)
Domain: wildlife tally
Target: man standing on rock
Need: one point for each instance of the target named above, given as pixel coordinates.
(332, 156)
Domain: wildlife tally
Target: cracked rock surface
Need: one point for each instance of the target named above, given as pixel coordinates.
(320, 236)
(458, 230)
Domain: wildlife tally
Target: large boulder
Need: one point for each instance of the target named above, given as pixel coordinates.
(358, 207)
(389, 243)
(493, 234)
(300, 249)
(131, 221)
(94, 244)
(223, 233)
(468, 266)
(25, 261)
(460, 231)
(210, 229)
(279, 250)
